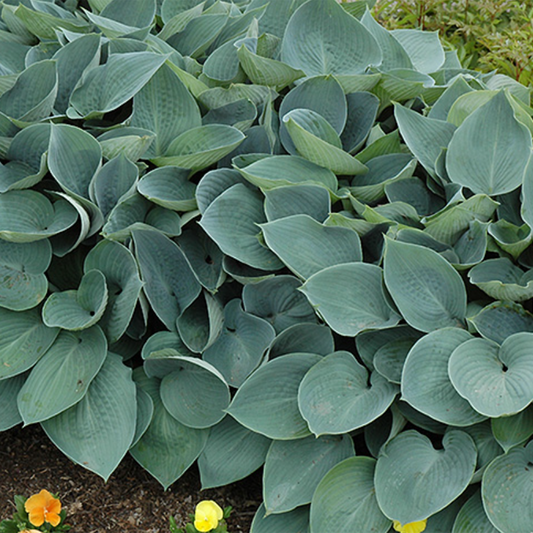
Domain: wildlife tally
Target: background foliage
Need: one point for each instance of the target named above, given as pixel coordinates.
(231, 234)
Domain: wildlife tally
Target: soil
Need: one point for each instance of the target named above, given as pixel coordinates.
(131, 500)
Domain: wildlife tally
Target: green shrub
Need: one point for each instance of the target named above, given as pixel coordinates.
(269, 233)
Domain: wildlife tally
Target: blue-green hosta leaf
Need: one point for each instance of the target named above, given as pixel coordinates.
(293, 469)
(108, 86)
(511, 238)
(426, 385)
(97, 432)
(9, 413)
(112, 181)
(350, 298)
(155, 110)
(472, 517)
(241, 115)
(442, 106)
(214, 183)
(200, 147)
(46, 19)
(23, 284)
(123, 282)
(28, 216)
(502, 280)
(296, 521)
(232, 453)
(223, 64)
(169, 188)
(362, 112)
(423, 47)
(526, 211)
(337, 396)
(61, 377)
(167, 448)
(127, 141)
(383, 429)
(78, 309)
(238, 350)
(315, 41)
(145, 411)
(308, 338)
(163, 340)
(265, 71)
(73, 61)
(306, 246)
(322, 94)
(499, 320)
(511, 431)
(507, 491)
(170, 284)
(278, 301)
(71, 147)
(428, 291)
(490, 150)
(382, 170)
(496, 380)
(24, 339)
(418, 470)
(268, 400)
(414, 191)
(27, 158)
(231, 221)
(424, 136)
(32, 97)
(390, 358)
(282, 170)
(316, 140)
(192, 391)
(201, 323)
(402, 84)
(311, 200)
(345, 499)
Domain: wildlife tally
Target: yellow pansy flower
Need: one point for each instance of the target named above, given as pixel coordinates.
(412, 527)
(43, 507)
(207, 515)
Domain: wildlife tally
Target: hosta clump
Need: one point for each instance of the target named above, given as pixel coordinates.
(270, 234)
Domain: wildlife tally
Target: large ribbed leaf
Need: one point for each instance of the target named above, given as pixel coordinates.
(28, 216)
(293, 469)
(9, 413)
(309, 338)
(321, 38)
(490, 150)
(507, 491)
(121, 273)
(241, 344)
(155, 110)
(423, 47)
(108, 86)
(309, 200)
(426, 385)
(231, 221)
(496, 380)
(337, 395)
(472, 517)
(345, 499)
(306, 246)
(24, 339)
(418, 471)
(32, 97)
(61, 377)
(296, 521)
(192, 391)
(279, 171)
(428, 291)
(78, 309)
(232, 452)
(23, 284)
(350, 298)
(170, 285)
(167, 448)
(267, 402)
(97, 432)
(200, 147)
(511, 431)
(71, 147)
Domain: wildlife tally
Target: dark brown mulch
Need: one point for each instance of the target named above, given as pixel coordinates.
(131, 501)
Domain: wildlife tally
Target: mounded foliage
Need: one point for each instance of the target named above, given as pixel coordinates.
(270, 233)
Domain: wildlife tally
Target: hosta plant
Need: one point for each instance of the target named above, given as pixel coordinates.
(270, 234)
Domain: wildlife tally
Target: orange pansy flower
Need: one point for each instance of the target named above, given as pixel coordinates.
(43, 507)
